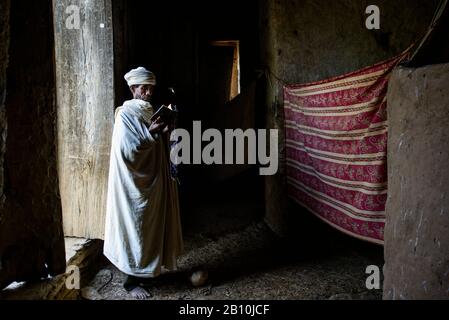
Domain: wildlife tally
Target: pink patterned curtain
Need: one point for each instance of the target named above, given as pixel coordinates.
(336, 149)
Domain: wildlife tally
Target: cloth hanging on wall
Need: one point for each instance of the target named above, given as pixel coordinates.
(336, 148)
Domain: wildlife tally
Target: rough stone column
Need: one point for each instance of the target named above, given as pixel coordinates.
(31, 237)
(417, 226)
(4, 45)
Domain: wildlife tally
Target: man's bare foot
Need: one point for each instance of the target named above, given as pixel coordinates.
(140, 293)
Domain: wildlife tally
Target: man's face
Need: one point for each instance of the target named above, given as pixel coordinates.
(142, 91)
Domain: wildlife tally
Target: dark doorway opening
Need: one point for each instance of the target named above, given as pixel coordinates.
(209, 54)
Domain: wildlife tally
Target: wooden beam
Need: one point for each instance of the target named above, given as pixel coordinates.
(85, 108)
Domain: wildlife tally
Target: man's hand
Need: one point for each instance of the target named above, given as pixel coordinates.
(169, 128)
(158, 126)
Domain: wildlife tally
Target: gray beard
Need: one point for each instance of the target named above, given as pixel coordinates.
(138, 96)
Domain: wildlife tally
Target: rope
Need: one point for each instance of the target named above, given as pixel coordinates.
(436, 18)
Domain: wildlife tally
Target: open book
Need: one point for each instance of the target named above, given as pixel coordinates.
(166, 113)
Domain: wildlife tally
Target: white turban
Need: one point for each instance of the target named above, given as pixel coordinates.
(140, 76)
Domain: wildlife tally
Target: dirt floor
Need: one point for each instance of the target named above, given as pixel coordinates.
(246, 260)
(253, 263)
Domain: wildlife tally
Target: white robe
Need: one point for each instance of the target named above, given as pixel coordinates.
(143, 228)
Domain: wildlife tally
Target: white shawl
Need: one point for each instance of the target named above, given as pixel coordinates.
(143, 229)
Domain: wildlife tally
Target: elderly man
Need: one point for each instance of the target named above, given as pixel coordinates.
(143, 230)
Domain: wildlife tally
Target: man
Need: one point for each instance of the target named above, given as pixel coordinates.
(143, 230)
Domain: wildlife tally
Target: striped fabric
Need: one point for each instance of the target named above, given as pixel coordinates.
(336, 149)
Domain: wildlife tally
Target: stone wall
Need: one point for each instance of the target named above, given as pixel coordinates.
(417, 226)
